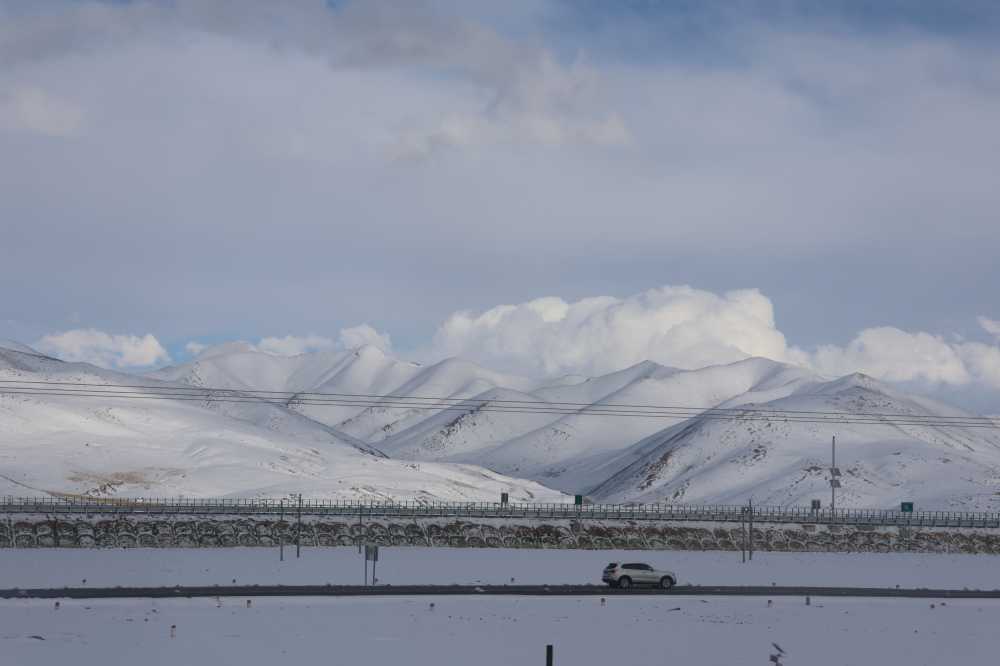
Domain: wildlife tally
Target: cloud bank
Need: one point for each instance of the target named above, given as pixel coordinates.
(678, 326)
(104, 349)
(293, 345)
(690, 328)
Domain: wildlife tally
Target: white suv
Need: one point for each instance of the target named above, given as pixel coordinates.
(636, 573)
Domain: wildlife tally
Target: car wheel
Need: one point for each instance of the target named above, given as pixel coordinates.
(666, 582)
(624, 582)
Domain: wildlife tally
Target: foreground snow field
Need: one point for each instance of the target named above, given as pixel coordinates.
(444, 566)
(499, 631)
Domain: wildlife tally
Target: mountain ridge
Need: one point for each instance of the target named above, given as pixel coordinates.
(553, 444)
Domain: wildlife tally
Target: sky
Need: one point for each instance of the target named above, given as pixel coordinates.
(541, 185)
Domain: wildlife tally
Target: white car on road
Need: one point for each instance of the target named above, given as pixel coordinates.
(637, 573)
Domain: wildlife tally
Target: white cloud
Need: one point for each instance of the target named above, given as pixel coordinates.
(895, 355)
(983, 362)
(356, 336)
(194, 348)
(690, 328)
(677, 326)
(34, 110)
(104, 349)
(991, 326)
(292, 345)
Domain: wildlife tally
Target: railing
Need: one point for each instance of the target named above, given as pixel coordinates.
(612, 512)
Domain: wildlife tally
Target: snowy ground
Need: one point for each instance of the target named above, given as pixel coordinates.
(220, 566)
(499, 631)
(493, 630)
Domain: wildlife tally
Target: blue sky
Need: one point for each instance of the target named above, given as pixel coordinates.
(207, 171)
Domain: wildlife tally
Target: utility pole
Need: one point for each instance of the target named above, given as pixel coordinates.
(750, 505)
(743, 533)
(298, 531)
(281, 532)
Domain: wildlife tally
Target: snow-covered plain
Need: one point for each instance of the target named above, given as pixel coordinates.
(500, 631)
(64, 567)
(493, 630)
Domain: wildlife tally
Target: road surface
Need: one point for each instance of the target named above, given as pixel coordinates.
(483, 590)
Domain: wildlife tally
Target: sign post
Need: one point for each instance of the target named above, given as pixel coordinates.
(834, 473)
(371, 554)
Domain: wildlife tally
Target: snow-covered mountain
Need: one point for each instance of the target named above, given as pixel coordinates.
(443, 449)
(780, 461)
(239, 366)
(698, 459)
(112, 446)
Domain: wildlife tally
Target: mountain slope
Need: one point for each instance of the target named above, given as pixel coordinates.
(578, 451)
(131, 447)
(440, 450)
(452, 379)
(784, 462)
(366, 370)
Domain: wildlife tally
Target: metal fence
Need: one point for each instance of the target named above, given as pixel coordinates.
(460, 510)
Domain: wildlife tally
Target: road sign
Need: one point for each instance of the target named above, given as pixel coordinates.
(834, 483)
(503, 498)
(906, 507)
(834, 471)
(816, 505)
(371, 553)
(578, 500)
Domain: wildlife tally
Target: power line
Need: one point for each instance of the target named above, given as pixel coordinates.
(310, 397)
(202, 394)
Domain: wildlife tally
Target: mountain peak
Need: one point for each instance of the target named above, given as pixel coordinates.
(369, 351)
(234, 347)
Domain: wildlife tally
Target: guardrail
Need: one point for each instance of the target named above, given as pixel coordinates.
(614, 512)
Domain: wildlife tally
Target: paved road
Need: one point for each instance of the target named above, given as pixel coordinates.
(474, 590)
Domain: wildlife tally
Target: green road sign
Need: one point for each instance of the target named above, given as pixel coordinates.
(578, 500)
(906, 507)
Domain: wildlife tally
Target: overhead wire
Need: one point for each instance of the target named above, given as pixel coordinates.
(450, 404)
(303, 395)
